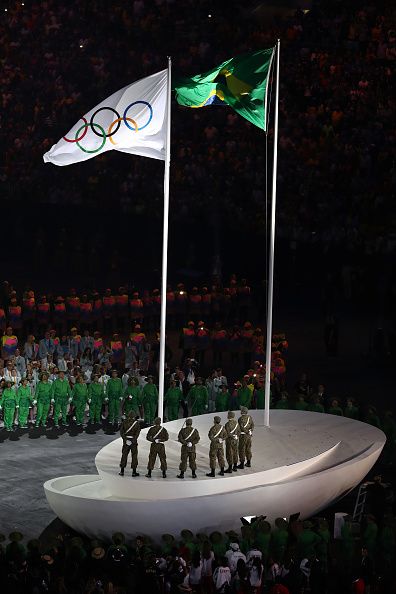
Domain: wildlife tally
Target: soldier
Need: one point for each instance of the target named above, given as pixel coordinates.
(188, 437)
(245, 440)
(129, 430)
(217, 435)
(233, 430)
(95, 399)
(157, 435)
(60, 397)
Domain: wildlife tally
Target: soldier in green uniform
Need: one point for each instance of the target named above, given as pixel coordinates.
(188, 437)
(198, 397)
(150, 400)
(61, 395)
(80, 399)
(133, 398)
(173, 399)
(9, 405)
(95, 399)
(130, 430)
(157, 435)
(217, 435)
(244, 395)
(114, 397)
(222, 399)
(233, 431)
(43, 399)
(245, 440)
(24, 401)
(335, 409)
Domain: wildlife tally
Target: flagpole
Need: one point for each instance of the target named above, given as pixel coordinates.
(165, 249)
(271, 252)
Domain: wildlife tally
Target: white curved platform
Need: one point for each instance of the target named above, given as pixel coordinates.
(302, 463)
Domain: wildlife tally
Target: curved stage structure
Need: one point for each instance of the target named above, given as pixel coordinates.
(302, 463)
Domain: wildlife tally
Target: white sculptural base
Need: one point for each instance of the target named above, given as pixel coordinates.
(302, 463)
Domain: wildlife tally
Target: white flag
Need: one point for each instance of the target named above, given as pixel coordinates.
(132, 120)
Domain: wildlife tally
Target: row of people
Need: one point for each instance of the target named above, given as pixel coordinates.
(29, 311)
(235, 434)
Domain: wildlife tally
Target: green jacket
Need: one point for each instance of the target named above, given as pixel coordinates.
(150, 393)
(173, 397)
(8, 398)
(114, 388)
(96, 391)
(244, 397)
(61, 390)
(24, 396)
(43, 392)
(222, 400)
(80, 393)
(198, 396)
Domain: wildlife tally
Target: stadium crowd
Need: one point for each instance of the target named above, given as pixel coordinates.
(337, 141)
(290, 557)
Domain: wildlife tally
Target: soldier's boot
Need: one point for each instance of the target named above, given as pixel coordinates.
(134, 473)
(241, 466)
(211, 473)
(235, 468)
(248, 465)
(164, 474)
(229, 469)
(181, 475)
(221, 473)
(193, 474)
(148, 475)
(121, 473)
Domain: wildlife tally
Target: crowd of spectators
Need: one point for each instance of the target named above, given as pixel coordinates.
(289, 557)
(336, 141)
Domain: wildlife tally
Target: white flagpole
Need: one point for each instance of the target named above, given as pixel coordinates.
(165, 249)
(271, 252)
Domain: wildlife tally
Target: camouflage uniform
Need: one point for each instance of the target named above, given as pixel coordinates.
(129, 430)
(245, 440)
(233, 430)
(188, 437)
(157, 435)
(217, 435)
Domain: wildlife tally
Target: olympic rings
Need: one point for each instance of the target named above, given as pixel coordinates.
(101, 132)
(103, 138)
(135, 103)
(101, 109)
(120, 120)
(82, 135)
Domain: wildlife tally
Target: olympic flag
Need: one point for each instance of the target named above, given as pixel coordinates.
(132, 120)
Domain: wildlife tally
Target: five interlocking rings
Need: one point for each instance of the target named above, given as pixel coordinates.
(81, 132)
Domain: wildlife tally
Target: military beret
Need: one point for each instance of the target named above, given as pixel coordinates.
(217, 420)
(157, 421)
(231, 414)
(189, 421)
(244, 410)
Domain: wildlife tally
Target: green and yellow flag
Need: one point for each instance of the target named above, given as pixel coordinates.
(240, 82)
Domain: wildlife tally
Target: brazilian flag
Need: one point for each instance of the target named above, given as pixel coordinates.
(240, 82)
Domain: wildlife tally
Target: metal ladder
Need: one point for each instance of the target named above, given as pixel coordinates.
(360, 503)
